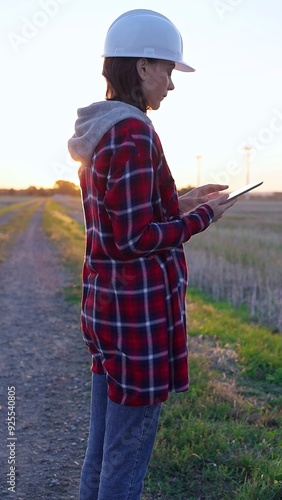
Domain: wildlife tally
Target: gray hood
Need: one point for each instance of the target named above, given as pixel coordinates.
(94, 121)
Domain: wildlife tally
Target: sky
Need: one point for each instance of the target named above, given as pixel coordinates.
(51, 64)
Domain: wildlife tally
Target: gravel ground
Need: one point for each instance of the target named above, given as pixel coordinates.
(43, 357)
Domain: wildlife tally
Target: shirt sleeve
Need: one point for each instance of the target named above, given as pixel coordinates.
(129, 202)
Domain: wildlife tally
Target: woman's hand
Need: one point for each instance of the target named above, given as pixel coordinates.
(219, 205)
(199, 195)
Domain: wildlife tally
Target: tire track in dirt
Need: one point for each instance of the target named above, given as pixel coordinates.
(6, 217)
(42, 355)
(9, 215)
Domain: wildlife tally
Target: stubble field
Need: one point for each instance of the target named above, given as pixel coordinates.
(240, 259)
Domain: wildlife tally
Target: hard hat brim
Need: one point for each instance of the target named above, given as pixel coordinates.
(182, 66)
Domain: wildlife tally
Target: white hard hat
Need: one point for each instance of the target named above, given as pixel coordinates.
(145, 33)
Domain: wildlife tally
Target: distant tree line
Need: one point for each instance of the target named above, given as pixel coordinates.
(60, 187)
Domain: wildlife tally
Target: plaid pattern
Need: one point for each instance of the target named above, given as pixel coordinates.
(134, 274)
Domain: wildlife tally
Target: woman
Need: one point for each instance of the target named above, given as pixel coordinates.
(134, 274)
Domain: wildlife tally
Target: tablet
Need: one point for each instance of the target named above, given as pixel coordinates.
(243, 190)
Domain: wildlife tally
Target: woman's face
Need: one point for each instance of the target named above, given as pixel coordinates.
(155, 80)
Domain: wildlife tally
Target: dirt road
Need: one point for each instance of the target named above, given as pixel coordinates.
(43, 357)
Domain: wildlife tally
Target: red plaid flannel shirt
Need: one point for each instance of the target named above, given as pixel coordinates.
(134, 274)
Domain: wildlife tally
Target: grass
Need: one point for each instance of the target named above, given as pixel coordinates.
(222, 439)
(69, 237)
(259, 351)
(10, 231)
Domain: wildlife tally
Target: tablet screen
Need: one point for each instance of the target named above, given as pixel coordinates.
(243, 190)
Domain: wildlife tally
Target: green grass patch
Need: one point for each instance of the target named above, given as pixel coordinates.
(15, 206)
(10, 231)
(209, 446)
(222, 439)
(69, 237)
(259, 350)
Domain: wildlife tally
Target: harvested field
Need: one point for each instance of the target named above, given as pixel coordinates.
(240, 259)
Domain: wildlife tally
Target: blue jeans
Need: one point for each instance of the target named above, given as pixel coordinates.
(120, 444)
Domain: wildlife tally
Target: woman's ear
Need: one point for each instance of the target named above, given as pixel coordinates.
(141, 67)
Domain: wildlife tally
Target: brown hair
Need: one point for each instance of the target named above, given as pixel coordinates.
(123, 81)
